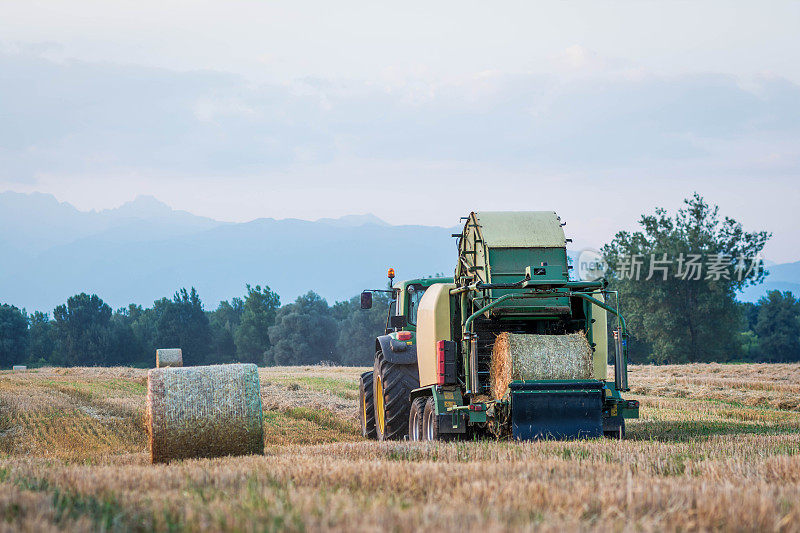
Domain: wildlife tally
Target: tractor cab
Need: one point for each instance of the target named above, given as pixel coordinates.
(404, 303)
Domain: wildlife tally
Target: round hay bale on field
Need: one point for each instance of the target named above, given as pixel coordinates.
(169, 357)
(519, 357)
(204, 411)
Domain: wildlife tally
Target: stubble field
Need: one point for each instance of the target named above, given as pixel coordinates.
(717, 447)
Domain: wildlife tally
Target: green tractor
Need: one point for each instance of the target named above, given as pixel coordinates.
(384, 392)
(431, 375)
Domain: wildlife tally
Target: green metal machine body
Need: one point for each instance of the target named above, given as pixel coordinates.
(513, 276)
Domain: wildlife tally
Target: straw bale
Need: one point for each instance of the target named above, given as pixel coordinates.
(169, 357)
(518, 357)
(204, 411)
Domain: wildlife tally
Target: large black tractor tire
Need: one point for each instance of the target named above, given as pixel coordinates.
(366, 411)
(392, 386)
(430, 423)
(415, 418)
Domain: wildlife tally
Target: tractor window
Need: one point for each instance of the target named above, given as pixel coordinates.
(415, 293)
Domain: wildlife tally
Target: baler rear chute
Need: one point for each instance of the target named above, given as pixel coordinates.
(512, 277)
(558, 410)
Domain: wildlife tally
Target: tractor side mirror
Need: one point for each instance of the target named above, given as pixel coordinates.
(366, 300)
(397, 321)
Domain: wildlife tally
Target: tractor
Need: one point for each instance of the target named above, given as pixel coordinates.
(432, 368)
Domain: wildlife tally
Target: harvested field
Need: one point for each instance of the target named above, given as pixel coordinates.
(718, 447)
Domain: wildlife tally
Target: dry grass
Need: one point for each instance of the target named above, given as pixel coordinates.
(759, 385)
(718, 447)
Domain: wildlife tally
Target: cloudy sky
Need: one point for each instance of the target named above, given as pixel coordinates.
(418, 113)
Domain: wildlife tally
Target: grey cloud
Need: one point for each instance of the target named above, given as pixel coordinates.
(72, 117)
(586, 122)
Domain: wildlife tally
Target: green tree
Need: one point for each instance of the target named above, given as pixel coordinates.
(81, 331)
(41, 345)
(129, 350)
(304, 333)
(258, 315)
(182, 323)
(680, 318)
(223, 322)
(144, 326)
(747, 335)
(778, 327)
(750, 314)
(358, 328)
(13, 335)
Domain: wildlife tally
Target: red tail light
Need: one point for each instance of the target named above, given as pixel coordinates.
(440, 363)
(403, 335)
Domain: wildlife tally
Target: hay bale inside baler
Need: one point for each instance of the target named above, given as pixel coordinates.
(538, 357)
(204, 411)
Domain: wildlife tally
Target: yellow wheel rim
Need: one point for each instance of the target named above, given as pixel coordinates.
(379, 405)
(364, 413)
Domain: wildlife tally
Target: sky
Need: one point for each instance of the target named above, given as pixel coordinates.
(417, 112)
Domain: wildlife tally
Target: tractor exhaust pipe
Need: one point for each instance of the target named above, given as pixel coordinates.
(620, 361)
(473, 364)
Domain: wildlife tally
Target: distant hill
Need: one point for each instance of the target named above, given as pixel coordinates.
(781, 277)
(32, 223)
(144, 250)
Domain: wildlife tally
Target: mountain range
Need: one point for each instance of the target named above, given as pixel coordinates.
(144, 250)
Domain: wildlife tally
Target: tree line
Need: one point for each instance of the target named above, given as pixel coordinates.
(255, 328)
(676, 312)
